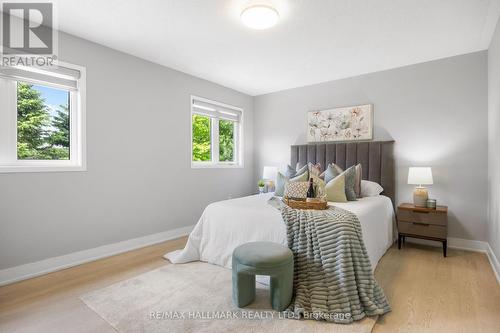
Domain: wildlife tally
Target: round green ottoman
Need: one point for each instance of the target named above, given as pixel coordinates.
(263, 258)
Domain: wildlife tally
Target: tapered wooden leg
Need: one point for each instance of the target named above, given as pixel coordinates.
(399, 242)
(445, 246)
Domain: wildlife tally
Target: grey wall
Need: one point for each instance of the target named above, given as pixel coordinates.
(436, 112)
(494, 142)
(139, 180)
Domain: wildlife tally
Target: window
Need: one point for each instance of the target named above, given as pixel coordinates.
(216, 134)
(42, 118)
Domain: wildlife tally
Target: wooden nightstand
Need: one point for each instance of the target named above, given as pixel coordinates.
(424, 223)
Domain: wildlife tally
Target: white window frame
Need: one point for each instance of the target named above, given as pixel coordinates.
(214, 137)
(8, 141)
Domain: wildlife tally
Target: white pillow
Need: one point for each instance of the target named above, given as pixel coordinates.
(370, 189)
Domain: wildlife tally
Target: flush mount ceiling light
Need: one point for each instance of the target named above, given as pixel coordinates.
(259, 17)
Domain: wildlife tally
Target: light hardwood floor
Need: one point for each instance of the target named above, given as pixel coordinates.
(428, 293)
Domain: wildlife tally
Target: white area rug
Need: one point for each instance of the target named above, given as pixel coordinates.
(196, 297)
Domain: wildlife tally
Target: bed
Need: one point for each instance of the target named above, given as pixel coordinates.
(227, 224)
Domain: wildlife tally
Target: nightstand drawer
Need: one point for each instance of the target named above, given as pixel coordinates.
(428, 230)
(422, 217)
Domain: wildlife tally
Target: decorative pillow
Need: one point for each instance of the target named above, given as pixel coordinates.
(282, 180)
(296, 190)
(331, 172)
(370, 189)
(302, 170)
(290, 172)
(279, 188)
(335, 189)
(319, 186)
(314, 169)
(350, 183)
(339, 169)
(301, 177)
(353, 185)
(359, 175)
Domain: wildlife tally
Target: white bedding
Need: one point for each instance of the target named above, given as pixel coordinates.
(227, 224)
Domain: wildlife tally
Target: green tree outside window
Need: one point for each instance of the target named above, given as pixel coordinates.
(201, 138)
(40, 136)
(226, 141)
(202, 126)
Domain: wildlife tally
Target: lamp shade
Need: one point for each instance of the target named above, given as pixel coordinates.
(420, 176)
(270, 173)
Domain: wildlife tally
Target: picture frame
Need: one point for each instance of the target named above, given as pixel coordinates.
(351, 123)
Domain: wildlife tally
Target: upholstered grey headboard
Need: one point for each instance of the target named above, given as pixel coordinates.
(376, 158)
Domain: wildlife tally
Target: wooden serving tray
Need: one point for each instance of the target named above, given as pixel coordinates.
(303, 204)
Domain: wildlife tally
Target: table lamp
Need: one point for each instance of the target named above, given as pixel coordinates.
(420, 176)
(269, 175)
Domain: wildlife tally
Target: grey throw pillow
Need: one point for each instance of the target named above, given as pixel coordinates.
(290, 172)
(330, 173)
(350, 183)
(281, 180)
(301, 170)
(359, 176)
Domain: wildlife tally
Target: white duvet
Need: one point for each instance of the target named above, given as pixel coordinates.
(227, 224)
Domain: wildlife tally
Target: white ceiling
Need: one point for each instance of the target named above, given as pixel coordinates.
(314, 40)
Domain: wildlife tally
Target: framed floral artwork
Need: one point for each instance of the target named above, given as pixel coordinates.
(353, 123)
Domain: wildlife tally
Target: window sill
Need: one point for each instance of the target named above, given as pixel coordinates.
(216, 165)
(40, 168)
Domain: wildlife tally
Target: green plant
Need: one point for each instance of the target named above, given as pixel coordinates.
(261, 183)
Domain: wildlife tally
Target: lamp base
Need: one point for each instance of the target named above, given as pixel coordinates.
(420, 196)
(270, 186)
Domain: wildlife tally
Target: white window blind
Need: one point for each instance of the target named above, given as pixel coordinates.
(216, 110)
(57, 76)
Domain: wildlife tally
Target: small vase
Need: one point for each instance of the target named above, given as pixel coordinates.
(261, 189)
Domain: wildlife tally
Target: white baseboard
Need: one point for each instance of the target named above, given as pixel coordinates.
(454, 243)
(31, 270)
(494, 262)
(468, 245)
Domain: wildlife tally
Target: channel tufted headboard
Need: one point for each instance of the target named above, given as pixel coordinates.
(376, 158)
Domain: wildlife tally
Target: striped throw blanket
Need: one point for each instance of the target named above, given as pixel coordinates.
(333, 278)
